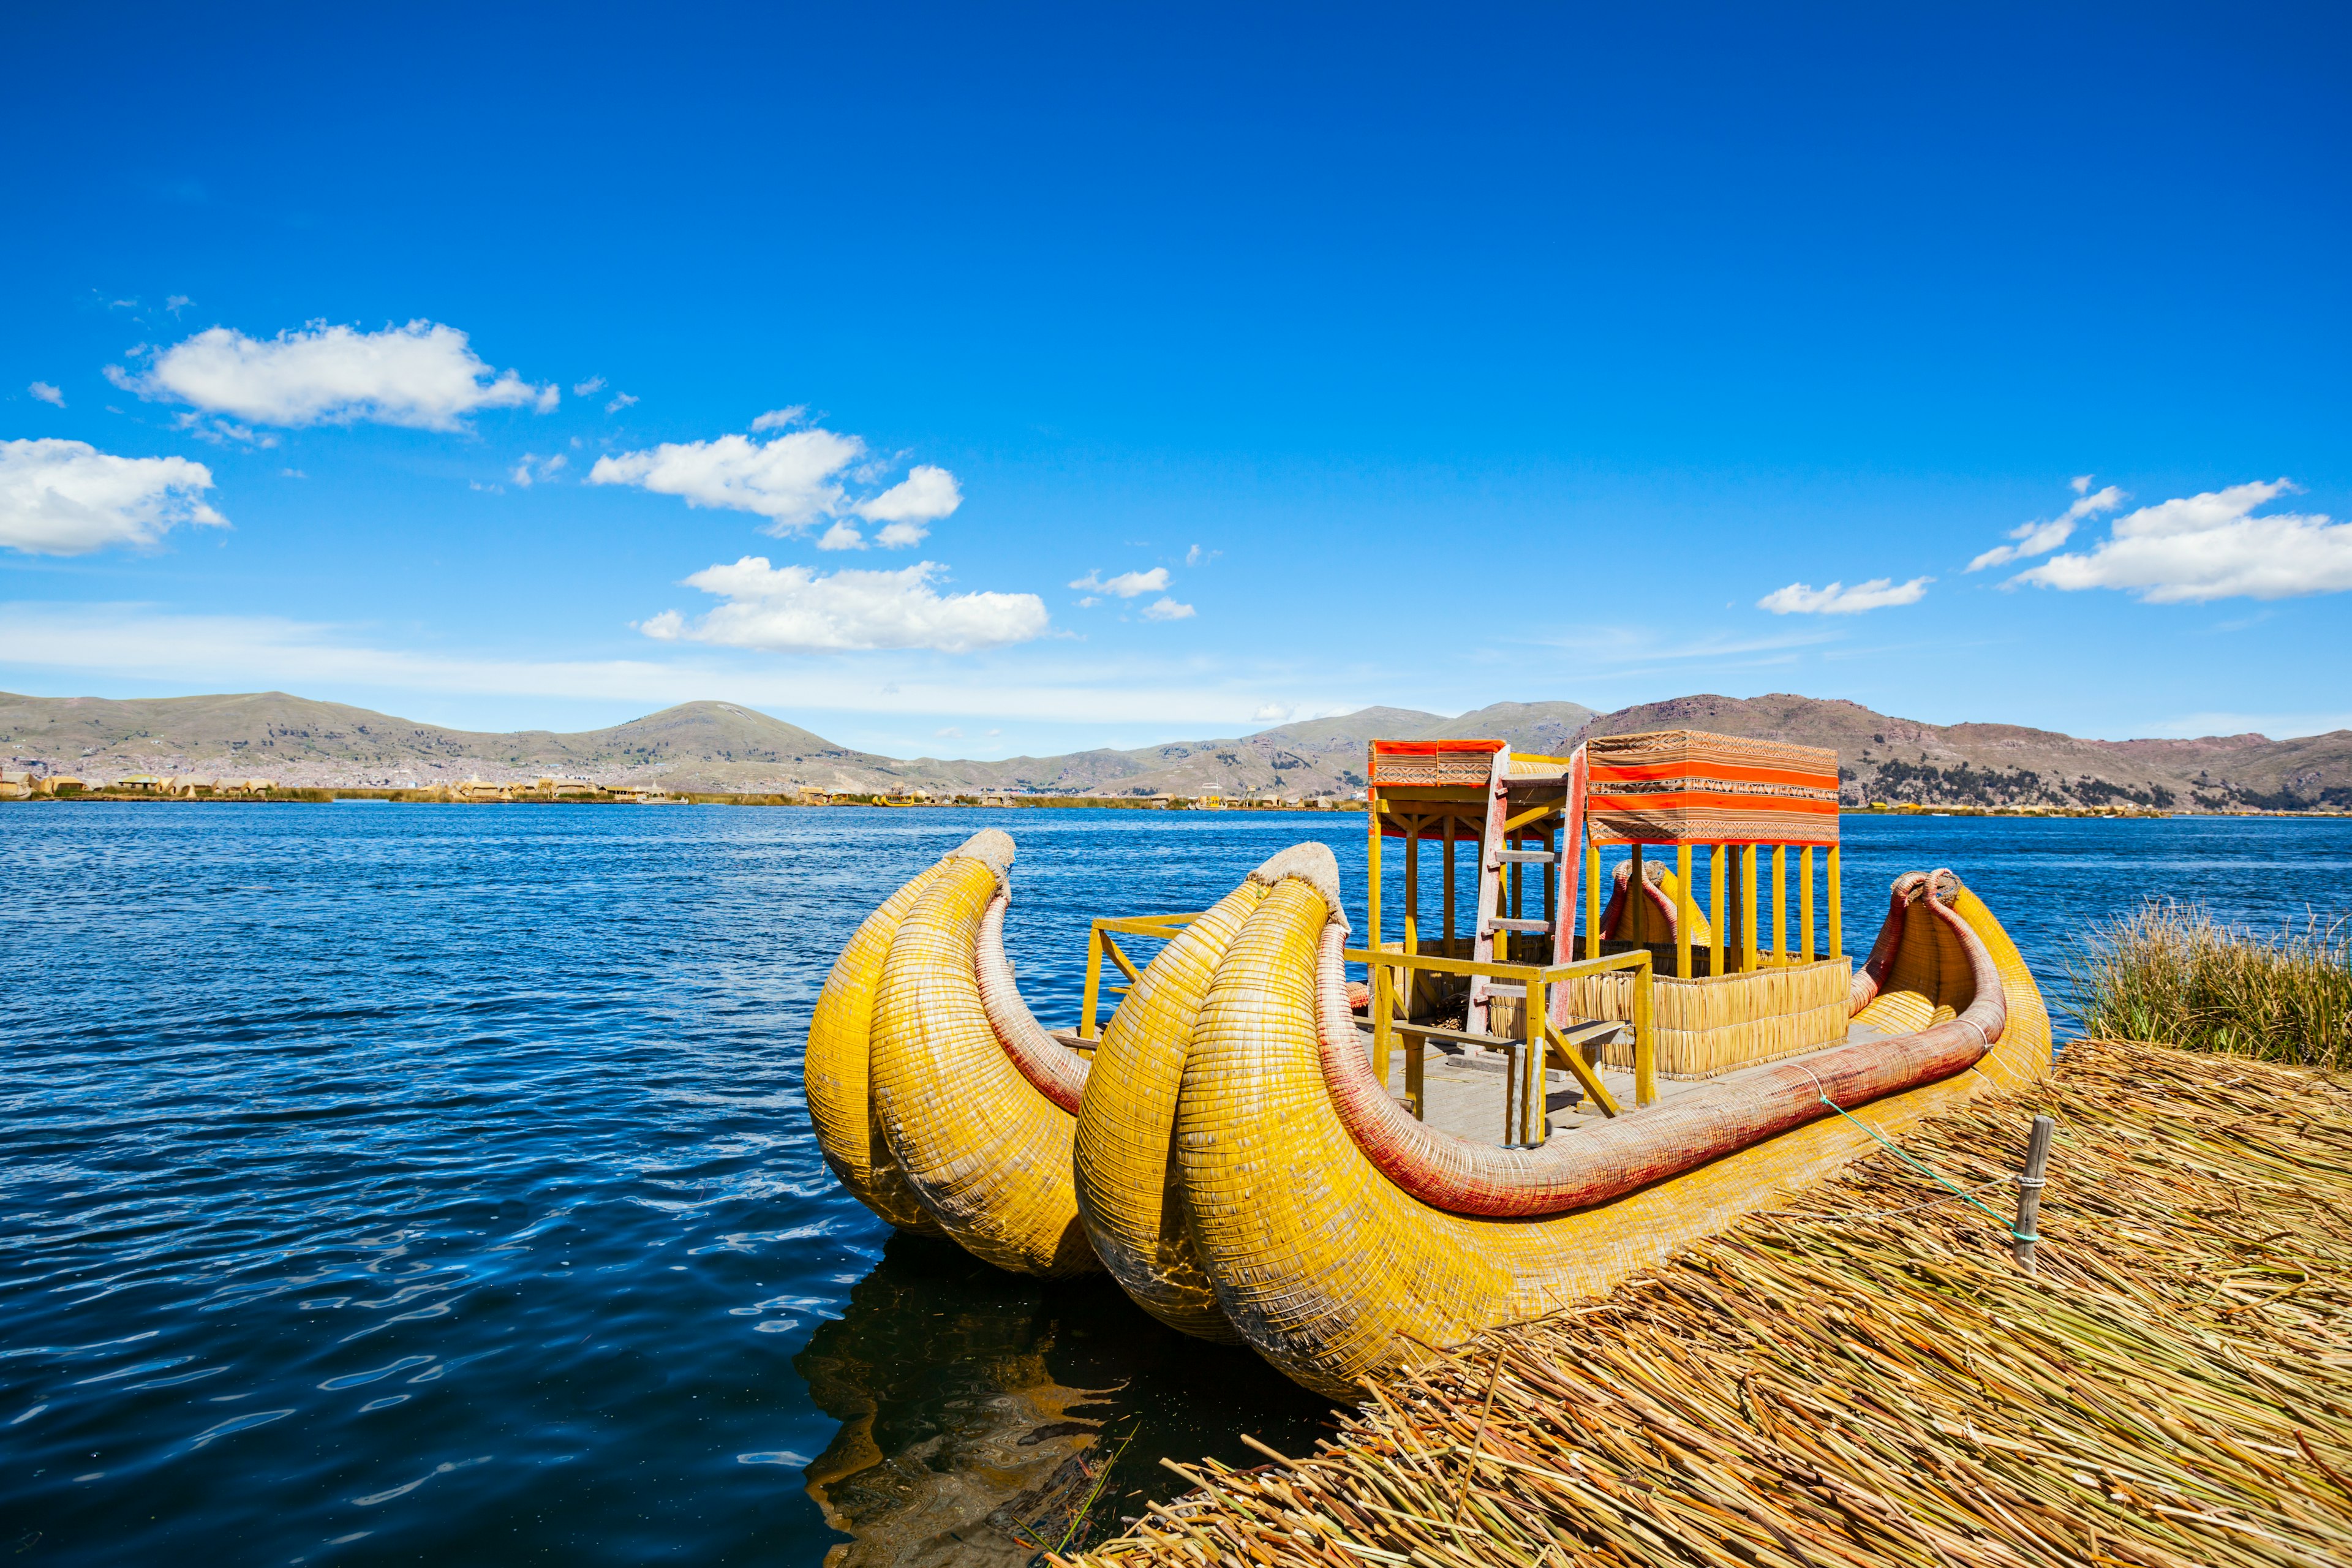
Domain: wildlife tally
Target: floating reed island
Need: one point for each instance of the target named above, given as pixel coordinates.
(1863, 1374)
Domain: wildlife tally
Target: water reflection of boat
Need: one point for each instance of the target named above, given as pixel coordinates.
(975, 1406)
(1235, 1153)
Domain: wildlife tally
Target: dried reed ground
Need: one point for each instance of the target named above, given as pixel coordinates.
(1833, 1383)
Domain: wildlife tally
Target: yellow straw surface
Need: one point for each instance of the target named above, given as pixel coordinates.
(1133, 1211)
(835, 1068)
(986, 1154)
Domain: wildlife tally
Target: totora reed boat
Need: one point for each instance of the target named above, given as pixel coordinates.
(1254, 1156)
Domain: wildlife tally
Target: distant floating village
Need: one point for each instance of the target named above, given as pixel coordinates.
(33, 784)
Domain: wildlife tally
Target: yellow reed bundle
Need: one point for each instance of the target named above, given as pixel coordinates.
(1719, 1024)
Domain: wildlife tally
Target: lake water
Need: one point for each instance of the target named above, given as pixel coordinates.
(412, 1184)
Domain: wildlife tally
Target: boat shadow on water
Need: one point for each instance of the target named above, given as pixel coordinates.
(986, 1414)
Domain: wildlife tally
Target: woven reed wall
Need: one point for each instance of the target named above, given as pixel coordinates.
(1710, 1027)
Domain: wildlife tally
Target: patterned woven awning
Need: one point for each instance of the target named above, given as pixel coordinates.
(1686, 787)
(1396, 763)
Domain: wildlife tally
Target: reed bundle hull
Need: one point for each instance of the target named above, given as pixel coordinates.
(1237, 1163)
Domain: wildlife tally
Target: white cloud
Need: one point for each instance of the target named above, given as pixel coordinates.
(595, 383)
(791, 609)
(1194, 556)
(1269, 714)
(1837, 599)
(620, 400)
(2208, 546)
(68, 498)
(1126, 585)
(792, 480)
(2041, 538)
(548, 469)
(175, 303)
(947, 733)
(1167, 609)
(795, 480)
(292, 474)
(47, 393)
(422, 375)
(927, 494)
(779, 418)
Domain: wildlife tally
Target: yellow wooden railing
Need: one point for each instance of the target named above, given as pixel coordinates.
(1524, 1120)
(1100, 942)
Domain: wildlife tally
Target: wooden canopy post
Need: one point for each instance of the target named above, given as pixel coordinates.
(1805, 907)
(1372, 872)
(1413, 873)
(1747, 908)
(1837, 936)
(1719, 880)
(1684, 914)
(1450, 899)
(1591, 899)
(1781, 903)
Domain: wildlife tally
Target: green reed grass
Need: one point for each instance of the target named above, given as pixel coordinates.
(2172, 975)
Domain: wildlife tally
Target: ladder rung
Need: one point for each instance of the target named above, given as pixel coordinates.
(1497, 922)
(1525, 856)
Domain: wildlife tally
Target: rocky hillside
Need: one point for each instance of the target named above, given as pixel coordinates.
(723, 746)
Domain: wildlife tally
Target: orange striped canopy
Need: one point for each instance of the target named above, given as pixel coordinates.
(1687, 787)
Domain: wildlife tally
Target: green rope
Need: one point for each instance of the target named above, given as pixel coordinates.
(1923, 1170)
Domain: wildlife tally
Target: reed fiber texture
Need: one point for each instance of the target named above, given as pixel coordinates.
(1649, 916)
(985, 1152)
(1719, 1024)
(1129, 1197)
(1864, 1378)
(1334, 1273)
(835, 1068)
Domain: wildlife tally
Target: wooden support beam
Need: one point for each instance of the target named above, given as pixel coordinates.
(1685, 914)
(1805, 908)
(1837, 933)
(1746, 853)
(1593, 901)
(1718, 871)
(1571, 1057)
(1372, 878)
(1781, 902)
(1452, 900)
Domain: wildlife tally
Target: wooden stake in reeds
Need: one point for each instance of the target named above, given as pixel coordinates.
(2029, 1191)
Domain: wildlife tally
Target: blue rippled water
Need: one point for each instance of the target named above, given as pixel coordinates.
(408, 1184)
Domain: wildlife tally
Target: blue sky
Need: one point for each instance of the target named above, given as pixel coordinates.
(1425, 358)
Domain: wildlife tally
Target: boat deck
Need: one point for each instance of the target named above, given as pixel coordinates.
(1466, 1092)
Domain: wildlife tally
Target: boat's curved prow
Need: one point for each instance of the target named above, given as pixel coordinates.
(954, 1112)
(1337, 1241)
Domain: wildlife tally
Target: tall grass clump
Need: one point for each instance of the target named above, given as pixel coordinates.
(2170, 974)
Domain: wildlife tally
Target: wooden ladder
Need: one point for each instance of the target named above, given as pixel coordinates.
(1496, 856)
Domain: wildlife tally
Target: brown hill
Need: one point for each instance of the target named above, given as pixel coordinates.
(725, 746)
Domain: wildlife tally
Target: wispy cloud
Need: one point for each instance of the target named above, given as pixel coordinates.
(1126, 585)
(47, 393)
(1167, 609)
(1837, 599)
(792, 609)
(2041, 538)
(231, 653)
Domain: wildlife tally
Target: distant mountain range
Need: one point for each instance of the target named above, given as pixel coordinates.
(722, 746)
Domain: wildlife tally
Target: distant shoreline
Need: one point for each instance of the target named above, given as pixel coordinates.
(330, 796)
